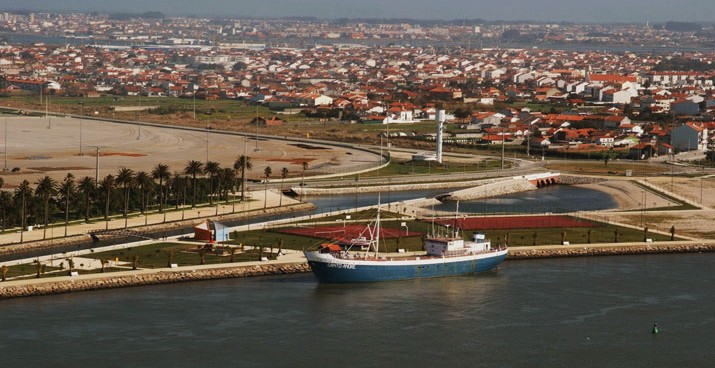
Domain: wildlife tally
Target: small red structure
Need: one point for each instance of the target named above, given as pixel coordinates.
(202, 232)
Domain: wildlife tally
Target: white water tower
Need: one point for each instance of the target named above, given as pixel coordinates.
(440, 118)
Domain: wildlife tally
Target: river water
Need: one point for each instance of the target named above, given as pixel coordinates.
(571, 312)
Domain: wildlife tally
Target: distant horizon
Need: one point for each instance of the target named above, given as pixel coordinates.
(543, 11)
(391, 19)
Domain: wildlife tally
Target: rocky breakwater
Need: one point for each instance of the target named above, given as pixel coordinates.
(328, 191)
(60, 285)
(577, 180)
(493, 189)
(536, 252)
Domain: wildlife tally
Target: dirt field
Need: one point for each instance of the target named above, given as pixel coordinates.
(42, 146)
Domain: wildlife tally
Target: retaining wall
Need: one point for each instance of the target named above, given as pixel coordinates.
(574, 180)
(582, 250)
(138, 278)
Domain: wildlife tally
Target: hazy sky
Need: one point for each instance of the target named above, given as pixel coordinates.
(539, 10)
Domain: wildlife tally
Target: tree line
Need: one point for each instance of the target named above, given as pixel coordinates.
(127, 191)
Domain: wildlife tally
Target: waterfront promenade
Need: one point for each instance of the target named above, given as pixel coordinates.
(257, 203)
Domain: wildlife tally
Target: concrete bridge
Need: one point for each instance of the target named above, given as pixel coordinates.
(543, 179)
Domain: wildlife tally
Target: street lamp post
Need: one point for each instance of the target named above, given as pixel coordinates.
(502, 148)
(49, 117)
(357, 190)
(81, 115)
(5, 167)
(96, 165)
(643, 207)
(256, 149)
(207, 142)
(255, 121)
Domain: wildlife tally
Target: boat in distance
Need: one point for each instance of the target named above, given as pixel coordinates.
(443, 256)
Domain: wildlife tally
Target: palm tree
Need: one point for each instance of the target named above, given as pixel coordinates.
(193, 168)
(267, 173)
(6, 207)
(87, 187)
(23, 191)
(284, 175)
(176, 182)
(4, 197)
(46, 188)
(144, 181)
(67, 190)
(161, 173)
(243, 164)
(4, 269)
(211, 169)
(227, 176)
(107, 185)
(125, 178)
(304, 165)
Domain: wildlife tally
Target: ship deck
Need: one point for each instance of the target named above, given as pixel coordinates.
(407, 257)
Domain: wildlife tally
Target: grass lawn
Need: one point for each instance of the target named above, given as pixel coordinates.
(29, 269)
(517, 237)
(157, 255)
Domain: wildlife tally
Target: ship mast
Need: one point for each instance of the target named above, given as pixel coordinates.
(377, 227)
(456, 218)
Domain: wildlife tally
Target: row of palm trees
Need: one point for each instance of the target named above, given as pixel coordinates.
(123, 192)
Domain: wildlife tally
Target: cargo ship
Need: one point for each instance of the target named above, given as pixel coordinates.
(443, 256)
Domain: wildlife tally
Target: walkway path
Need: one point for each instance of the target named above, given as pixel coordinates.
(257, 201)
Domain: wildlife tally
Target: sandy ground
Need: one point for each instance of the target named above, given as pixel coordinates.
(697, 223)
(42, 146)
(630, 196)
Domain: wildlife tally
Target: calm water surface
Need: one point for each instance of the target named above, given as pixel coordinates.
(558, 198)
(581, 312)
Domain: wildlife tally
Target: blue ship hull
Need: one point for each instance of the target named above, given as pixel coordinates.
(392, 271)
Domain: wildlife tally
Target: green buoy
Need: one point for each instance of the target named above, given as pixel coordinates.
(655, 328)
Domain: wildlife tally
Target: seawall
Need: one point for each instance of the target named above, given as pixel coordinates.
(66, 284)
(582, 250)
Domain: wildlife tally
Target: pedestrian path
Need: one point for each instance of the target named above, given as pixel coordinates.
(257, 200)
